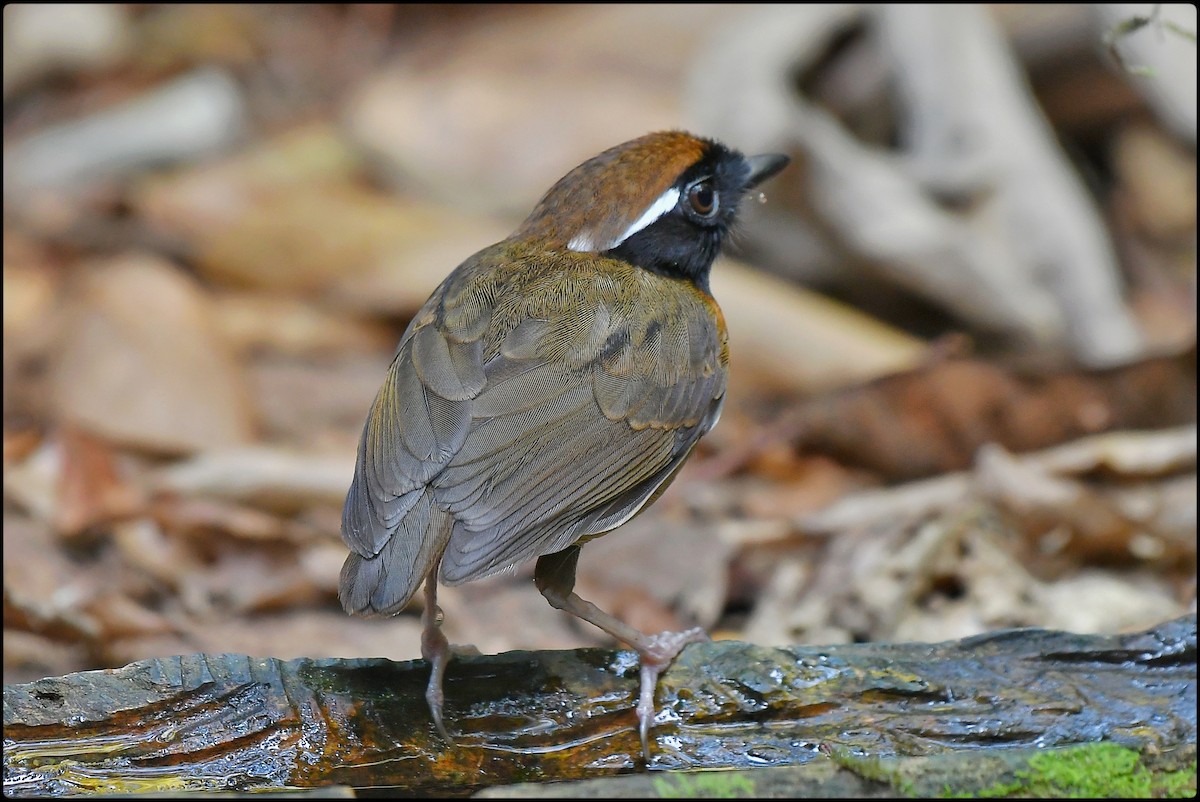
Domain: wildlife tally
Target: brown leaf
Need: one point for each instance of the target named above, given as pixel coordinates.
(1071, 520)
(278, 479)
(91, 491)
(964, 553)
(143, 546)
(813, 484)
(291, 217)
(1159, 177)
(934, 419)
(317, 404)
(32, 301)
(118, 616)
(42, 588)
(200, 518)
(142, 364)
(238, 579)
(256, 321)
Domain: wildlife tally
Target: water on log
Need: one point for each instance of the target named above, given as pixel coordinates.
(232, 722)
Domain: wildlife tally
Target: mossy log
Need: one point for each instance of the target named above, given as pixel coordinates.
(1098, 770)
(231, 722)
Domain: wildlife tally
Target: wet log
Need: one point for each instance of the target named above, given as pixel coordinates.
(232, 722)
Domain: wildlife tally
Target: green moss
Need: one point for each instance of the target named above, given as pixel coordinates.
(704, 785)
(997, 791)
(1177, 784)
(1093, 770)
(869, 767)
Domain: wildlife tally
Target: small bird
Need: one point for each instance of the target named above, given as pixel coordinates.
(549, 390)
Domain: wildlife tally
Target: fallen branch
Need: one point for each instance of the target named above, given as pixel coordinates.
(205, 722)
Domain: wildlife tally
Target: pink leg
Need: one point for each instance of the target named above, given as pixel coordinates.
(555, 578)
(436, 649)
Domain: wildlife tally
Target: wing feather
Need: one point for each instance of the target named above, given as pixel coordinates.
(528, 484)
(379, 584)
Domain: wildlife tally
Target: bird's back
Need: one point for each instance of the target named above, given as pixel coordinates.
(539, 397)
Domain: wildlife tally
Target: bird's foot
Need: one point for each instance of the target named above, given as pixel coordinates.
(437, 652)
(655, 656)
(435, 698)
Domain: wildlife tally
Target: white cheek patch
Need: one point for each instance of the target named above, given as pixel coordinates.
(665, 203)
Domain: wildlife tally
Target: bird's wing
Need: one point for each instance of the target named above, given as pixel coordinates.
(499, 442)
(418, 422)
(584, 416)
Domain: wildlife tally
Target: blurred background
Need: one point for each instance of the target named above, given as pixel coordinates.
(963, 384)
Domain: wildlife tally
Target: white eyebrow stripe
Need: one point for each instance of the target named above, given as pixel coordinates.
(665, 203)
(581, 242)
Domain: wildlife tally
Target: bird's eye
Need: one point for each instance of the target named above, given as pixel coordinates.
(702, 198)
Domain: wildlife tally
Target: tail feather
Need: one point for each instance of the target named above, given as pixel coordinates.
(383, 584)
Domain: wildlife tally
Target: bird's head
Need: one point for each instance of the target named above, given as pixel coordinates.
(662, 202)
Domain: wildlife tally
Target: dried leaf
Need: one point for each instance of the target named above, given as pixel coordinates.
(141, 362)
(934, 419)
(273, 478)
(91, 490)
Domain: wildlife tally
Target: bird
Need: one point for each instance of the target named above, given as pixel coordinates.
(548, 391)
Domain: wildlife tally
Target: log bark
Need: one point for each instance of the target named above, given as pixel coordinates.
(232, 722)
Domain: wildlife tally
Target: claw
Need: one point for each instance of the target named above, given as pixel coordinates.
(433, 695)
(660, 650)
(645, 707)
(437, 652)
